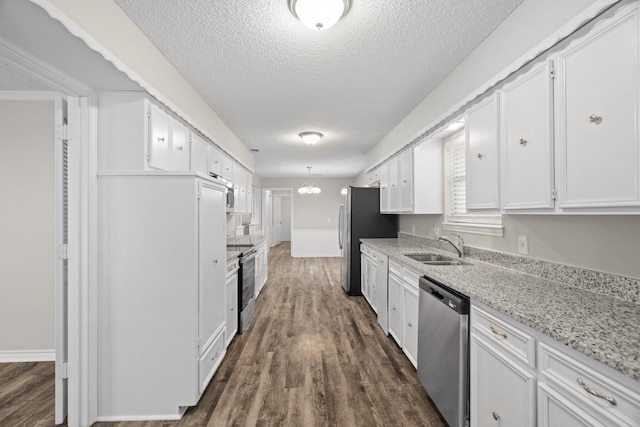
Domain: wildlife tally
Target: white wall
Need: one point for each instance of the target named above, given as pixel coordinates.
(108, 30)
(26, 228)
(315, 217)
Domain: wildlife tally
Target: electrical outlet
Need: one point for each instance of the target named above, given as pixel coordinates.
(413, 229)
(436, 231)
(523, 245)
(328, 220)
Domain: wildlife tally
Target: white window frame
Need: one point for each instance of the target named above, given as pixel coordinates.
(465, 222)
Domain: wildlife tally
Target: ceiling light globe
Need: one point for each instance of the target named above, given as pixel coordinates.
(310, 137)
(319, 14)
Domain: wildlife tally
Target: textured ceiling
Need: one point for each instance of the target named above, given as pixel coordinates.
(270, 78)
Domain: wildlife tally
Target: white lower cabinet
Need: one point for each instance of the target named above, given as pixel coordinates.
(513, 385)
(502, 390)
(161, 282)
(232, 300)
(410, 340)
(396, 298)
(403, 309)
(262, 263)
(381, 290)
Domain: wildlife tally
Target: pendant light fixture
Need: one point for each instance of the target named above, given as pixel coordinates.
(319, 14)
(310, 137)
(308, 187)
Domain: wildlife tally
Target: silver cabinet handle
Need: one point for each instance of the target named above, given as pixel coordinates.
(480, 156)
(179, 148)
(589, 390)
(594, 118)
(497, 332)
(523, 142)
(160, 139)
(496, 416)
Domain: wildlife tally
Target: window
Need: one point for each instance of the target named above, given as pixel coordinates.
(455, 202)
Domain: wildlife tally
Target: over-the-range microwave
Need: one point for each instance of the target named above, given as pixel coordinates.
(228, 190)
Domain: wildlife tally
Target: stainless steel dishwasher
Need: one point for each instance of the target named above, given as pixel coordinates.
(443, 350)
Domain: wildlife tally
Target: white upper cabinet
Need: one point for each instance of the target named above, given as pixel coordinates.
(179, 156)
(384, 188)
(405, 181)
(159, 139)
(414, 180)
(199, 155)
(373, 177)
(527, 140)
(393, 177)
(215, 161)
(483, 165)
(597, 107)
(226, 167)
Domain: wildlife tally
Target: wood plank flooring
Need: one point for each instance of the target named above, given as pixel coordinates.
(311, 356)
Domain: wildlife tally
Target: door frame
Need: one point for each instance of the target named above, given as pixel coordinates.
(81, 133)
(268, 212)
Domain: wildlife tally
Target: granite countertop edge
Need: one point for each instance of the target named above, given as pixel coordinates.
(599, 326)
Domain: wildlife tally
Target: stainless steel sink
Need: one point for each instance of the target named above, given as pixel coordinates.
(436, 259)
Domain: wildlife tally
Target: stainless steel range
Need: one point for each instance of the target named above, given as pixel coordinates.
(246, 288)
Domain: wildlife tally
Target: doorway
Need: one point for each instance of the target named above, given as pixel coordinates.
(277, 214)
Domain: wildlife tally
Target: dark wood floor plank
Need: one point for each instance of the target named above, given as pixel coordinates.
(312, 356)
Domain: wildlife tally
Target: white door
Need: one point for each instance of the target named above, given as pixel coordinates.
(61, 268)
(285, 219)
(212, 263)
(277, 205)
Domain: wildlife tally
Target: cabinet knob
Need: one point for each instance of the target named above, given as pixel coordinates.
(594, 118)
(496, 416)
(179, 148)
(215, 261)
(410, 325)
(523, 142)
(161, 139)
(480, 156)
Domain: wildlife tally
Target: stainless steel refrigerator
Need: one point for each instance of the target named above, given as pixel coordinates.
(360, 218)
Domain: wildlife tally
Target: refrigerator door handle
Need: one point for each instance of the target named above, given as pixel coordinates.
(340, 225)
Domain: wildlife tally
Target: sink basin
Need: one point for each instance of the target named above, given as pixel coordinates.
(436, 259)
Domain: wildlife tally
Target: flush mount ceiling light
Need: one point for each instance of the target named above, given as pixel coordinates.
(319, 14)
(310, 137)
(308, 187)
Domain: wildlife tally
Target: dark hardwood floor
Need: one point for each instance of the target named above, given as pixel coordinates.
(311, 356)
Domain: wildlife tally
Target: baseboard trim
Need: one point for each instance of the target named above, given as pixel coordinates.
(12, 356)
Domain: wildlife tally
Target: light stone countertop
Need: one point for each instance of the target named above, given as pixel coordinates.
(600, 326)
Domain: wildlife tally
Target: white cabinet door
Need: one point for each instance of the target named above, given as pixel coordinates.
(502, 391)
(240, 191)
(396, 316)
(372, 267)
(393, 176)
(159, 145)
(555, 409)
(179, 147)
(382, 291)
(215, 160)
(405, 181)
(597, 103)
(527, 140)
(364, 286)
(231, 319)
(199, 154)
(383, 171)
(226, 167)
(410, 340)
(483, 191)
(212, 259)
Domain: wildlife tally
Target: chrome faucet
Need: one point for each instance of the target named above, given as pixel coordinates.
(459, 247)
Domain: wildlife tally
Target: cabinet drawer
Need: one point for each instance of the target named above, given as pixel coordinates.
(566, 373)
(506, 337)
(395, 268)
(210, 361)
(411, 278)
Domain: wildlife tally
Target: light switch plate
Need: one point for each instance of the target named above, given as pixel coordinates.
(523, 245)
